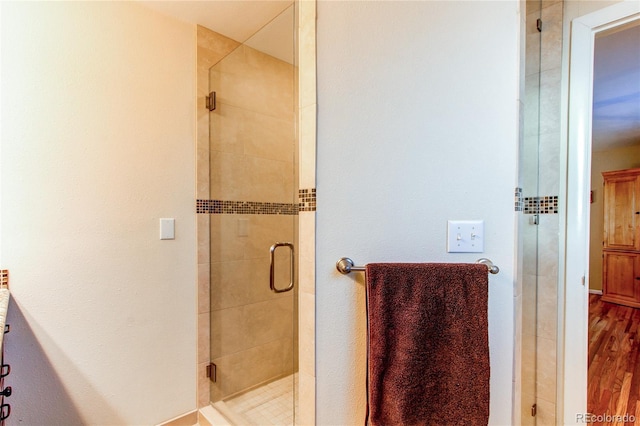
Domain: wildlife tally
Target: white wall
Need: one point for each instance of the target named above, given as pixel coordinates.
(98, 136)
(417, 124)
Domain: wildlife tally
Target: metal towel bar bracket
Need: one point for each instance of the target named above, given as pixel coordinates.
(346, 265)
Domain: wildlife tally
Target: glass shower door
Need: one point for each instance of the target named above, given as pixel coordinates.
(253, 181)
(530, 217)
(540, 224)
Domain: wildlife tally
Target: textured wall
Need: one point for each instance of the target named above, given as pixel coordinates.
(98, 132)
(417, 124)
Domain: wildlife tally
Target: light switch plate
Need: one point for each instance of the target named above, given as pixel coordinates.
(167, 229)
(465, 236)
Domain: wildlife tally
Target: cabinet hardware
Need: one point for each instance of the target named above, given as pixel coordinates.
(5, 411)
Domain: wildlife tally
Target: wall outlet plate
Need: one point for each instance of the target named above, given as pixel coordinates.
(465, 236)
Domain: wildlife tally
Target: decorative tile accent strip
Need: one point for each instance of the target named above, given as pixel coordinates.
(541, 205)
(4, 277)
(307, 200)
(245, 207)
(203, 206)
(519, 201)
(306, 203)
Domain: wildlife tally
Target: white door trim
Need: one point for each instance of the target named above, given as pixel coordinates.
(574, 260)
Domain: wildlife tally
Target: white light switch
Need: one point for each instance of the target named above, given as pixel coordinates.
(167, 229)
(465, 236)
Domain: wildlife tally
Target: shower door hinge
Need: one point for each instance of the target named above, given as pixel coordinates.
(211, 101)
(539, 25)
(212, 372)
(534, 410)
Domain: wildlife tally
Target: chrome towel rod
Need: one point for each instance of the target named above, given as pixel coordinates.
(346, 265)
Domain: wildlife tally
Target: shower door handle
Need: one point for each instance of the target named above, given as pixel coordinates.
(272, 272)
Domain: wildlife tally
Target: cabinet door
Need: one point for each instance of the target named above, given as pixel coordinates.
(621, 278)
(620, 207)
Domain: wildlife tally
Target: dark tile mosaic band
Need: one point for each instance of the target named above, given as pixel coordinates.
(244, 207)
(519, 201)
(541, 205)
(307, 200)
(4, 277)
(306, 203)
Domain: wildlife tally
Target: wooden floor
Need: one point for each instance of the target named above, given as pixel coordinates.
(614, 363)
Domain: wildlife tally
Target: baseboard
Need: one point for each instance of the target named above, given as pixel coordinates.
(188, 419)
(211, 416)
(599, 292)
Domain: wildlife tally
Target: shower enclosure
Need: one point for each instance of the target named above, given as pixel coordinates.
(253, 221)
(539, 221)
(530, 218)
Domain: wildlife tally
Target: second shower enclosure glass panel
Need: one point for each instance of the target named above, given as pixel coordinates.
(253, 181)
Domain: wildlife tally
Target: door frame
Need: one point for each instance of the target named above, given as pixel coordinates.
(573, 291)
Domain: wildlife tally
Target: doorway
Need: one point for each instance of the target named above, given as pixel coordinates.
(575, 222)
(614, 317)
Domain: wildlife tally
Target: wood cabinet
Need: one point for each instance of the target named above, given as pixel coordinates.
(621, 243)
(621, 278)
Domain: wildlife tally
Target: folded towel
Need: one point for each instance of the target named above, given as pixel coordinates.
(428, 344)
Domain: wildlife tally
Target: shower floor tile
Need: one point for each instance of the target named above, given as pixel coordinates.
(270, 404)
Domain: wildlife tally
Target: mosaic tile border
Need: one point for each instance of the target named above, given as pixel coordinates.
(4, 277)
(519, 201)
(307, 200)
(541, 205)
(245, 207)
(306, 203)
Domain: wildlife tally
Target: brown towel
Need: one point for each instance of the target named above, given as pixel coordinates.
(428, 344)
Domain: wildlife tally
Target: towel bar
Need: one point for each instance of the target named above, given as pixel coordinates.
(346, 265)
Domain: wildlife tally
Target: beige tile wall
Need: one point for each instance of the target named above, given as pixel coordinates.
(529, 165)
(212, 47)
(548, 233)
(236, 140)
(252, 159)
(307, 220)
(541, 165)
(252, 130)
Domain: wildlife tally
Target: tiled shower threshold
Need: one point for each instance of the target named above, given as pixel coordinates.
(269, 404)
(210, 416)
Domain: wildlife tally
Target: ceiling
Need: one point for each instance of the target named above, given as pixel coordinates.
(616, 86)
(616, 89)
(236, 19)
